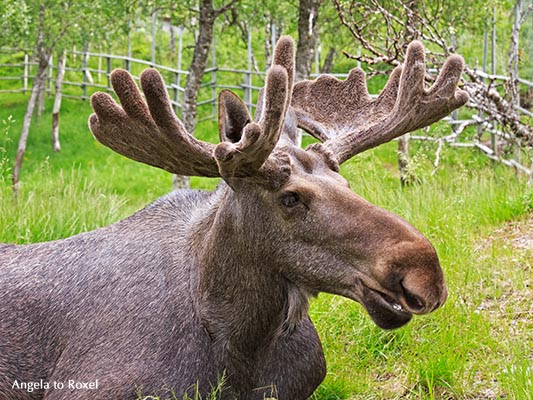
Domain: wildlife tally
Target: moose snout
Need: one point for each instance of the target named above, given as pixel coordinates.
(421, 286)
(412, 277)
(421, 297)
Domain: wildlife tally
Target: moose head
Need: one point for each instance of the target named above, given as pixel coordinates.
(290, 207)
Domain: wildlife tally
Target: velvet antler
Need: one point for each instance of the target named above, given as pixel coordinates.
(149, 131)
(247, 145)
(343, 116)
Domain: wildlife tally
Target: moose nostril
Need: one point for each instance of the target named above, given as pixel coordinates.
(414, 303)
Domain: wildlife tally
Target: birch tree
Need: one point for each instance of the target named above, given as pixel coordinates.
(208, 15)
(51, 26)
(436, 23)
(307, 37)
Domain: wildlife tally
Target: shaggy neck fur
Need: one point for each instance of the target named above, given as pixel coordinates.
(245, 302)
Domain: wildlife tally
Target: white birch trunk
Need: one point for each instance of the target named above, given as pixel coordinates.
(40, 80)
(57, 102)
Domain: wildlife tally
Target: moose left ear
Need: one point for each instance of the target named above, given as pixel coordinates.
(233, 116)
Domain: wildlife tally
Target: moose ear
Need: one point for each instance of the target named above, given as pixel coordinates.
(233, 116)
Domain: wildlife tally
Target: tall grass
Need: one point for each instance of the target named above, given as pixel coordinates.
(470, 348)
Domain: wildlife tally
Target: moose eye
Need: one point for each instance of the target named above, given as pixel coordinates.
(290, 199)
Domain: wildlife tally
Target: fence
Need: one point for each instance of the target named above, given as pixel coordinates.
(87, 72)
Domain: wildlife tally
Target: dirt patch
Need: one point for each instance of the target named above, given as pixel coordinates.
(512, 301)
(518, 233)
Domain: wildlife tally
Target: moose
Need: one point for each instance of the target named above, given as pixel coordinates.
(203, 285)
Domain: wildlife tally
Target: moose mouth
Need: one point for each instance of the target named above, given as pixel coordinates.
(386, 312)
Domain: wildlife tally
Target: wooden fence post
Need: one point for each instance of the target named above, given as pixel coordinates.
(26, 72)
(61, 65)
(484, 69)
(248, 74)
(154, 34)
(127, 60)
(99, 74)
(177, 80)
(85, 62)
(214, 78)
(50, 74)
(493, 69)
(108, 73)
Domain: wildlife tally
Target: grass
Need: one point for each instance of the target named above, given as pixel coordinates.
(478, 346)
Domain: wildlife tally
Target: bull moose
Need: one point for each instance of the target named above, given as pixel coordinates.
(200, 285)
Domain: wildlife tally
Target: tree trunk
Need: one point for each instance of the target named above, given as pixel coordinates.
(271, 37)
(40, 80)
(172, 40)
(57, 102)
(512, 87)
(327, 67)
(307, 35)
(41, 96)
(198, 64)
(208, 16)
(407, 175)
(38, 83)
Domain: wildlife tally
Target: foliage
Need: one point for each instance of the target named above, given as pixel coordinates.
(5, 140)
(66, 23)
(14, 20)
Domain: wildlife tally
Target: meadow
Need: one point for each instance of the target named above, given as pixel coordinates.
(478, 346)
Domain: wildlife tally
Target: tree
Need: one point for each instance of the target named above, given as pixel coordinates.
(436, 23)
(307, 37)
(50, 26)
(206, 22)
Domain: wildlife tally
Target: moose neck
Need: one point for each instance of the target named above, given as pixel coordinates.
(244, 300)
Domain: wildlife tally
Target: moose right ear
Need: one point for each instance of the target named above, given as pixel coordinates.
(233, 116)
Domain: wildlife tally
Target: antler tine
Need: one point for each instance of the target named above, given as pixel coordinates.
(247, 157)
(341, 114)
(149, 131)
(284, 57)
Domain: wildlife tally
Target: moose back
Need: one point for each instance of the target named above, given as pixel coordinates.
(203, 286)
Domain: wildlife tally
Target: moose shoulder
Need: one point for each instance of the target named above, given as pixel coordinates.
(201, 285)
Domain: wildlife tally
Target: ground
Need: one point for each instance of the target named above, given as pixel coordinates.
(510, 303)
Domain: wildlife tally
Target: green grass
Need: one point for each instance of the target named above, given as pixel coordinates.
(471, 348)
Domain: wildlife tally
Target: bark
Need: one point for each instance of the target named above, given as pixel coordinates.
(41, 96)
(268, 44)
(272, 35)
(172, 39)
(38, 84)
(198, 64)
(208, 16)
(512, 86)
(407, 175)
(57, 102)
(40, 80)
(307, 36)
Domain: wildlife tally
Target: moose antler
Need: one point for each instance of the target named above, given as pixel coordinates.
(343, 116)
(150, 132)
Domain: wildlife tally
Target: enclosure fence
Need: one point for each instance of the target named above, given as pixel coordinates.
(87, 72)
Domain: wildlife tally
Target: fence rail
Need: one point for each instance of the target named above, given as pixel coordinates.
(81, 80)
(87, 72)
